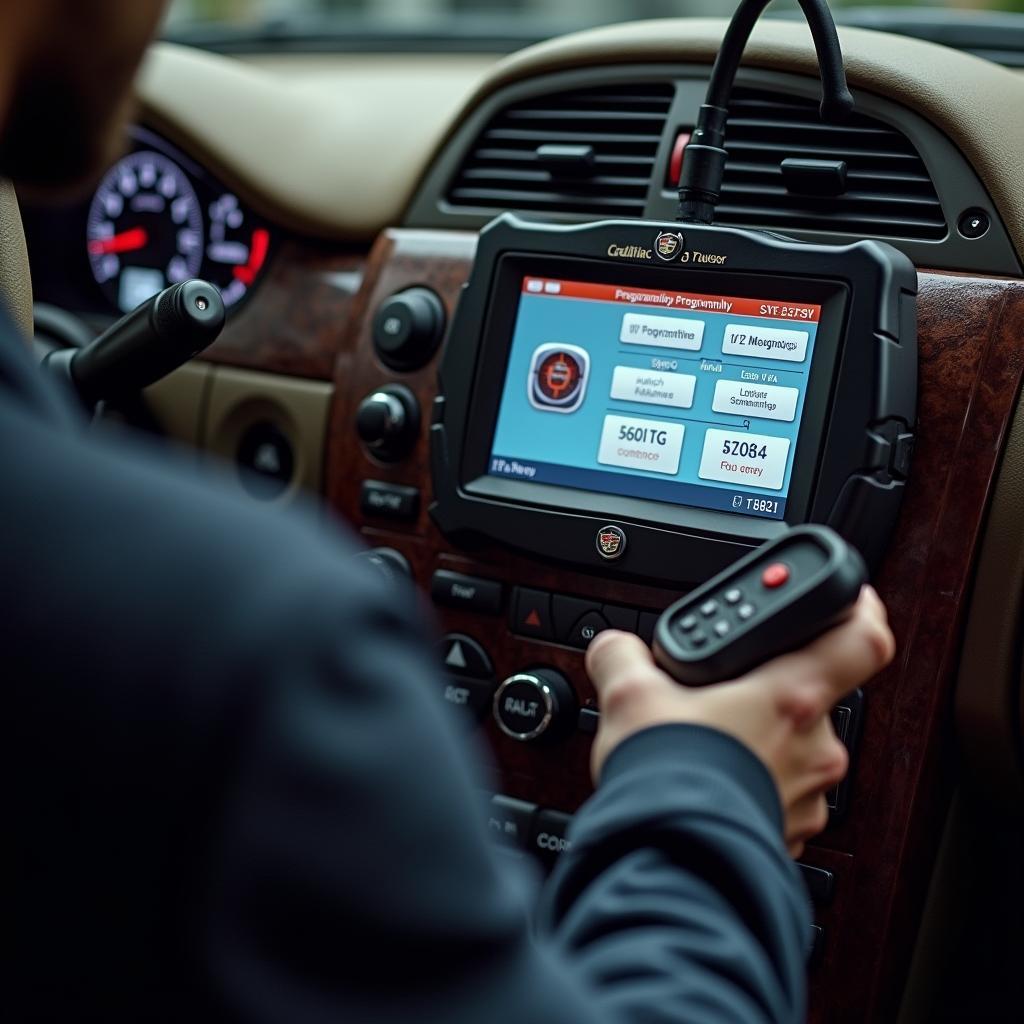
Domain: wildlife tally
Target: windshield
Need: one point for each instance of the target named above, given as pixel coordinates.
(994, 28)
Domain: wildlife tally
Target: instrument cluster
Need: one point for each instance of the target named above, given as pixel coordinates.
(156, 218)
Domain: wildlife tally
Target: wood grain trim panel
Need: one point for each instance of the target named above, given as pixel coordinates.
(300, 316)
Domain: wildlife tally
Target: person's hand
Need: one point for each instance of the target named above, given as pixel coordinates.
(780, 710)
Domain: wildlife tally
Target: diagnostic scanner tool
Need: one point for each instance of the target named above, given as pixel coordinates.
(774, 601)
(655, 400)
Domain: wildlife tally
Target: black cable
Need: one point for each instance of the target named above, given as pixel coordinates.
(700, 184)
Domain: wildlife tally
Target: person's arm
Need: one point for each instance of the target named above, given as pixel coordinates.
(355, 875)
(242, 792)
(678, 901)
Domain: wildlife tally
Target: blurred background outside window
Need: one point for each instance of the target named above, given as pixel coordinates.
(433, 13)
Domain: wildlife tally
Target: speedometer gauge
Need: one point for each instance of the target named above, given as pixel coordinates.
(237, 248)
(145, 229)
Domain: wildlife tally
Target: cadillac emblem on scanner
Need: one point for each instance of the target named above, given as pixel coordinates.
(668, 244)
(611, 542)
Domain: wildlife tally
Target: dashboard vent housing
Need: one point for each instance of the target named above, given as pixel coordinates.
(590, 151)
(888, 189)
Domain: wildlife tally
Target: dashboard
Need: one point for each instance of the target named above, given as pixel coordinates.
(550, 440)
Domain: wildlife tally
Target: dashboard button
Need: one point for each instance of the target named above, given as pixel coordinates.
(461, 655)
(392, 565)
(820, 883)
(550, 838)
(586, 629)
(535, 703)
(568, 611)
(511, 821)
(645, 629)
(531, 614)
(974, 224)
(588, 721)
(268, 456)
(408, 327)
(469, 592)
(389, 501)
(471, 681)
(625, 619)
(473, 695)
(388, 422)
(840, 721)
(817, 944)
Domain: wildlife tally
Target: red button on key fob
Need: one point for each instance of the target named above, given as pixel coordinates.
(775, 576)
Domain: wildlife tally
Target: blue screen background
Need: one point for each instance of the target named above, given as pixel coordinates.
(562, 449)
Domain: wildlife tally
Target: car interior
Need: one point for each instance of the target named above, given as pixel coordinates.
(428, 224)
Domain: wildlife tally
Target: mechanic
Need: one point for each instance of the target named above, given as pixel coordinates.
(234, 794)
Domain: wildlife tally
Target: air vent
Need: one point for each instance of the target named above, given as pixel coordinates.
(888, 189)
(586, 152)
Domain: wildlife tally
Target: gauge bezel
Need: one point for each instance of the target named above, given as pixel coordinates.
(112, 284)
(208, 190)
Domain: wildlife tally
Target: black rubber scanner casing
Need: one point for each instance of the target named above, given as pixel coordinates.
(860, 467)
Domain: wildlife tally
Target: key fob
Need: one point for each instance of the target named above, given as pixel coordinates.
(774, 600)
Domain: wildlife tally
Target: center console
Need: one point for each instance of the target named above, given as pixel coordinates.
(620, 411)
(449, 498)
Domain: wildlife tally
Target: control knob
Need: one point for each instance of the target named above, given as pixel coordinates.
(408, 327)
(533, 704)
(388, 421)
(392, 565)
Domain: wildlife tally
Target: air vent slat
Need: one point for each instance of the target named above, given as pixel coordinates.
(500, 156)
(597, 182)
(874, 225)
(784, 129)
(893, 178)
(621, 118)
(792, 148)
(848, 198)
(890, 193)
(553, 201)
(569, 137)
(623, 124)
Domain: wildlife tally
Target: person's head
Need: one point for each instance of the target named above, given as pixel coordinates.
(66, 68)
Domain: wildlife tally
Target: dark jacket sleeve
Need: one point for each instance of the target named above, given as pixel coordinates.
(240, 797)
(677, 901)
(355, 871)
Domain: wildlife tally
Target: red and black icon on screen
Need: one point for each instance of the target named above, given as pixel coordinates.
(558, 378)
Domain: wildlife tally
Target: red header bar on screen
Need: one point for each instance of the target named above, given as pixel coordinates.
(769, 309)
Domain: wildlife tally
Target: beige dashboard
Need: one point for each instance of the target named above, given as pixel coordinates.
(353, 136)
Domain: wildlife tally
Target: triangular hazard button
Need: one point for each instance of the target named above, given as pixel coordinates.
(456, 656)
(533, 619)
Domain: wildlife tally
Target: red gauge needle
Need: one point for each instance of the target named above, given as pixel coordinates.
(246, 272)
(126, 241)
